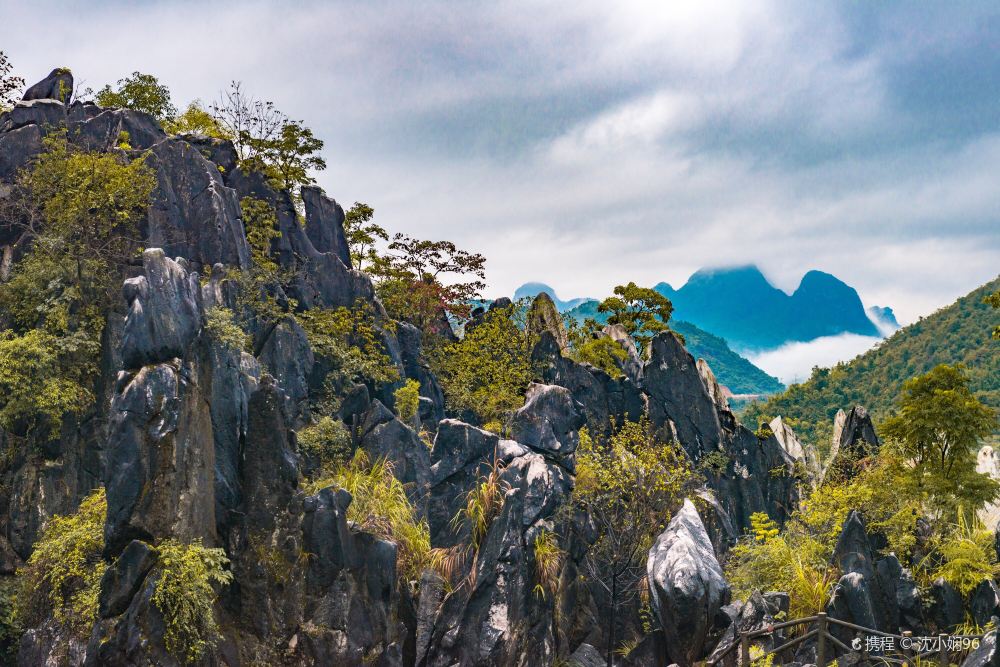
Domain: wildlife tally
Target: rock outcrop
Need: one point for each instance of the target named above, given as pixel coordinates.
(687, 586)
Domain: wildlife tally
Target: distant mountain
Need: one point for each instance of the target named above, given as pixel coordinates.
(740, 305)
(733, 371)
(531, 290)
(884, 319)
(956, 334)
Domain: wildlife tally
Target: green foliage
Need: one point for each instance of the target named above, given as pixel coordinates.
(938, 428)
(78, 215)
(195, 120)
(362, 234)
(62, 577)
(186, 598)
(10, 84)
(380, 506)
(956, 334)
(488, 371)
(266, 140)
(10, 629)
(408, 400)
(641, 310)
(328, 441)
(260, 282)
(221, 326)
(549, 559)
(763, 527)
(714, 463)
(629, 484)
(140, 92)
(994, 301)
(965, 555)
(350, 340)
(602, 352)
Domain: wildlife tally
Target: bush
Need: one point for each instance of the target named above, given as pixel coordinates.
(602, 352)
(350, 340)
(62, 577)
(328, 441)
(548, 563)
(185, 597)
(380, 506)
(222, 327)
(408, 400)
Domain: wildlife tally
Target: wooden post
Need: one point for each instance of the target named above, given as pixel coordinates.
(744, 649)
(821, 639)
(943, 650)
(908, 651)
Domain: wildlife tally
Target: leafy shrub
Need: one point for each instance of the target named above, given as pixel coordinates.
(488, 371)
(222, 327)
(601, 352)
(185, 597)
(328, 440)
(380, 506)
(965, 556)
(350, 339)
(408, 400)
(62, 577)
(141, 92)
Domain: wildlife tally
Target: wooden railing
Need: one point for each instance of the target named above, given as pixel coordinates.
(907, 655)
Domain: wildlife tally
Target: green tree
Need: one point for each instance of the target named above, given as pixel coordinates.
(643, 312)
(488, 371)
(77, 216)
(628, 484)
(196, 120)
(426, 282)
(139, 92)
(362, 234)
(10, 84)
(994, 300)
(288, 158)
(938, 427)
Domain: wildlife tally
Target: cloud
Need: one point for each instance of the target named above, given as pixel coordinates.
(589, 143)
(793, 362)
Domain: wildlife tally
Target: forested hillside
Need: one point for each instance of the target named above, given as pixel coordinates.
(956, 334)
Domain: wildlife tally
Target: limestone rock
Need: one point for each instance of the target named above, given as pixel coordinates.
(58, 85)
(687, 586)
(123, 579)
(543, 316)
(549, 421)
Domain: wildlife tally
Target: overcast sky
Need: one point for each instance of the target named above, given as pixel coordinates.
(589, 143)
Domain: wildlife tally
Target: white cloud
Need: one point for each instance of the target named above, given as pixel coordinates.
(793, 362)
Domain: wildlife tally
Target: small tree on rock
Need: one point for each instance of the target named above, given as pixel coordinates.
(643, 311)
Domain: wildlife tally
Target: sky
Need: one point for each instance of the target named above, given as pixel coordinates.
(590, 143)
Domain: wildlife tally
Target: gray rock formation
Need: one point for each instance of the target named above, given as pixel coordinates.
(543, 316)
(58, 85)
(687, 586)
(549, 423)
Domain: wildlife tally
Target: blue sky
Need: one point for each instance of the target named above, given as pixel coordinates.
(585, 144)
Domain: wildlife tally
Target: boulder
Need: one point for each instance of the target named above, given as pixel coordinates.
(987, 654)
(586, 656)
(549, 422)
(123, 579)
(687, 585)
(46, 113)
(383, 435)
(58, 85)
(984, 602)
(945, 611)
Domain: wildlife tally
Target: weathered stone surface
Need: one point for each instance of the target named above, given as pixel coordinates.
(632, 366)
(161, 459)
(586, 656)
(112, 128)
(164, 311)
(123, 578)
(549, 422)
(984, 602)
(687, 586)
(795, 448)
(325, 223)
(987, 654)
(50, 113)
(543, 316)
(58, 85)
(410, 338)
(945, 612)
(287, 356)
(383, 435)
(679, 403)
(50, 645)
(602, 397)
